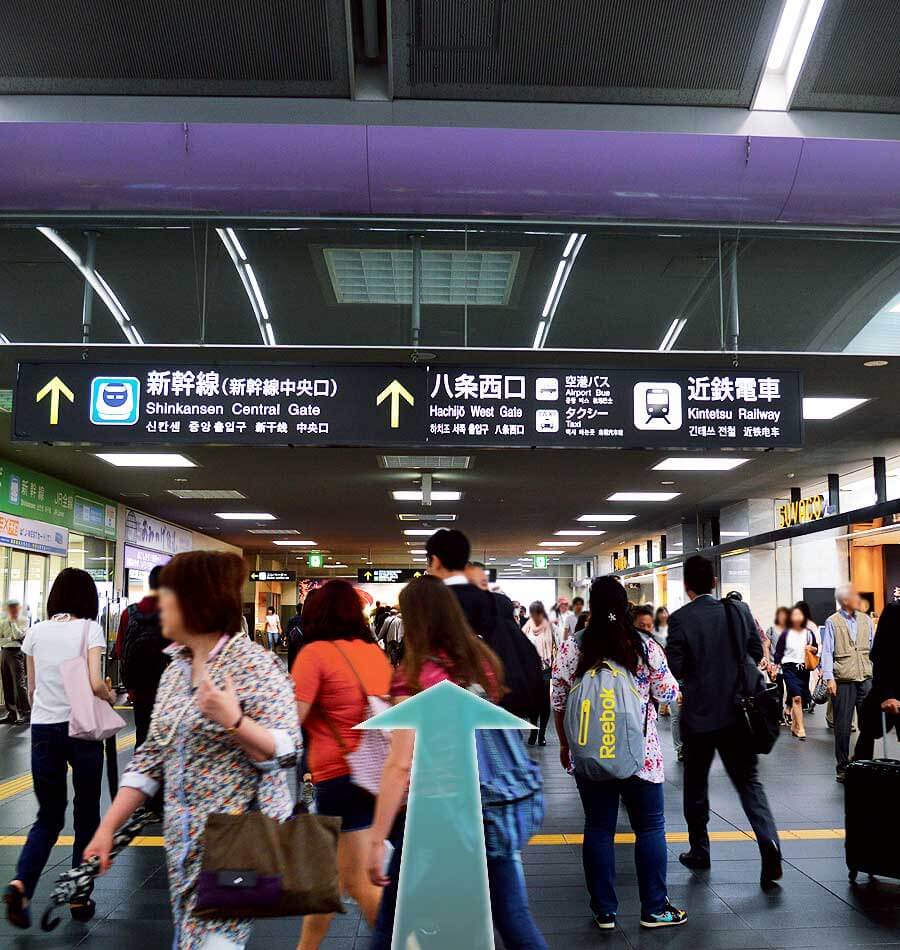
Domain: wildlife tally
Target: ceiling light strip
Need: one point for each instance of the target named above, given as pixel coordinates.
(251, 285)
(672, 334)
(560, 279)
(101, 287)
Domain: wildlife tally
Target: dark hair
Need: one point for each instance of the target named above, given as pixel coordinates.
(153, 579)
(434, 626)
(74, 592)
(643, 612)
(735, 595)
(537, 607)
(578, 600)
(660, 610)
(699, 575)
(582, 621)
(609, 634)
(804, 606)
(477, 564)
(783, 610)
(450, 547)
(270, 609)
(335, 613)
(208, 585)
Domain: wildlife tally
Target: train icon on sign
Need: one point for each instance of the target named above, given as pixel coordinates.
(657, 406)
(115, 400)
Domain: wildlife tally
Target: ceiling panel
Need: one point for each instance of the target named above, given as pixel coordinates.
(680, 52)
(175, 47)
(852, 64)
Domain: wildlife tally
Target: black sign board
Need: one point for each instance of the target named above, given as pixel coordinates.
(194, 404)
(261, 577)
(388, 575)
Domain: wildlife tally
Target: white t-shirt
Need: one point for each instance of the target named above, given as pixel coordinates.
(273, 623)
(795, 647)
(51, 643)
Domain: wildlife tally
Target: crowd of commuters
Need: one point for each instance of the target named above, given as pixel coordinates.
(219, 721)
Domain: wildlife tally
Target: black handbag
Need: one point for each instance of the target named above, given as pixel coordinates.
(758, 701)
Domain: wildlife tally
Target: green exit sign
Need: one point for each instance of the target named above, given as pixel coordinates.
(540, 562)
(315, 560)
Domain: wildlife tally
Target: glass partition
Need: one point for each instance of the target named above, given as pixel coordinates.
(455, 284)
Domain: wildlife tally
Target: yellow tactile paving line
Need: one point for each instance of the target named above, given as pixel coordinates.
(675, 837)
(22, 783)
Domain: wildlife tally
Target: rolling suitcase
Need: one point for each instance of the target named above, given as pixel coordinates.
(871, 792)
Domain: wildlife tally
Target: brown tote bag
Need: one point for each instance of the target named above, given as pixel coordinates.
(256, 866)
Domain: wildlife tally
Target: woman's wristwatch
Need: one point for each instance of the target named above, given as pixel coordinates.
(231, 730)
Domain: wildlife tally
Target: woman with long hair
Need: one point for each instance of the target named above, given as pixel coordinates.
(338, 668)
(440, 646)
(540, 631)
(223, 722)
(611, 638)
(790, 655)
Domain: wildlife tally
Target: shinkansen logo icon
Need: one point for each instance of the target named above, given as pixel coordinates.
(657, 406)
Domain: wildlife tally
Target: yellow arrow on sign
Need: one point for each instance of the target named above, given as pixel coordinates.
(54, 389)
(368, 575)
(396, 390)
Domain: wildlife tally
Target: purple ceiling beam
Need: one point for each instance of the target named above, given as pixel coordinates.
(237, 169)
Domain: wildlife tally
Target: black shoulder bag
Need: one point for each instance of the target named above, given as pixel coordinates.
(758, 702)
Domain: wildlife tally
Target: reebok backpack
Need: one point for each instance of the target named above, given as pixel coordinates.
(604, 724)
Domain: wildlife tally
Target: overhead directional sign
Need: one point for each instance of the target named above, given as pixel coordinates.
(387, 575)
(289, 404)
(262, 577)
(540, 562)
(315, 560)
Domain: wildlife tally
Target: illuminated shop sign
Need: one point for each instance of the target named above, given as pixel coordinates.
(262, 577)
(792, 513)
(620, 563)
(472, 406)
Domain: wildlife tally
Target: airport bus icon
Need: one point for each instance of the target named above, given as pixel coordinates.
(657, 406)
(115, 400)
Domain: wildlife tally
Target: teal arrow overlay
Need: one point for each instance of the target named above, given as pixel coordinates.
(443, 901)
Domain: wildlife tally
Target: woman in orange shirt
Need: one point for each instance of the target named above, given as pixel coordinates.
(339, 667)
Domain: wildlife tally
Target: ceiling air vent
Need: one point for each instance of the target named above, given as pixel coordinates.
(431, 463)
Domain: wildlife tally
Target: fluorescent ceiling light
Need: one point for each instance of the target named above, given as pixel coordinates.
(539, 335)
(733, 534)
(456, 278)
(643, 496)
(787, 53)
(419, 532)
(600, 519)
(560, 544)
(580, 534)
(554, 286)
(146, 460)
(827, 407)
(419, 551)
(204, 494)
(426, 517)
(288, 543)
(699, 463)
(557, 286)
(102, 288)
(335, 565)
(672, 334)
(545, 552)
(245, 516)
(273, 531)
(435, 495)
(251, 284)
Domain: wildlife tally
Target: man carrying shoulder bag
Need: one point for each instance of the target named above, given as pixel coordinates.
(708, 653)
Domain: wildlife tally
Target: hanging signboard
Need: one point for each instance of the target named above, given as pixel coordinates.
(148, 532)
(266, 404)
(264, 577)
(387, 575)
(35, 495)
(137, 559)
(33, 535)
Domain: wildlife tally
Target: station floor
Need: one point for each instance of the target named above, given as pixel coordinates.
(814, 907)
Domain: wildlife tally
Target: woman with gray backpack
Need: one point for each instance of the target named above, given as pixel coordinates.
(602, 689)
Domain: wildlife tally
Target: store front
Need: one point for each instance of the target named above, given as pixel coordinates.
(149, 542)
(45, 526)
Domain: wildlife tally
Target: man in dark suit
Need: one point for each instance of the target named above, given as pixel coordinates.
(448, 556)
(704, 653)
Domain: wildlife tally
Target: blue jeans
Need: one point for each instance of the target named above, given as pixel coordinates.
(51, 752)
(509, 900)
(644, 804)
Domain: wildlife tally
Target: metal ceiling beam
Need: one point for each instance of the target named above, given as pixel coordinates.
(440, 113)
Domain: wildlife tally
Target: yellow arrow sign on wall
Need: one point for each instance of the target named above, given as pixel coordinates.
(396, 391)
(54, 389)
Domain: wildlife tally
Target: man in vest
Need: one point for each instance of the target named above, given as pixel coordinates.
(846, 667)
